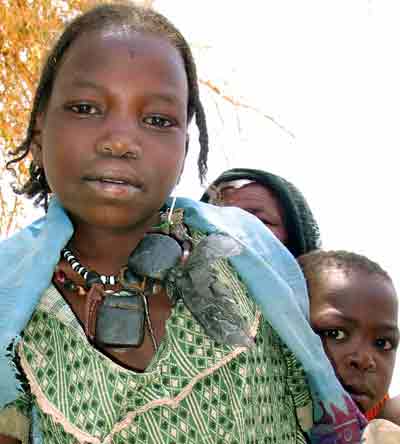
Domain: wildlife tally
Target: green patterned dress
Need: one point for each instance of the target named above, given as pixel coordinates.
(195, 391)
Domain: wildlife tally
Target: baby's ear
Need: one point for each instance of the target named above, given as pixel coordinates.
(36, 143)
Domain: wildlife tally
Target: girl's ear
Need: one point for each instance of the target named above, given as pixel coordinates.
(36, 144)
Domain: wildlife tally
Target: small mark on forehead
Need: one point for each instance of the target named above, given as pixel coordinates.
(132, 53)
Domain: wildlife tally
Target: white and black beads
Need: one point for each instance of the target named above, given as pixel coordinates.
(80, 269)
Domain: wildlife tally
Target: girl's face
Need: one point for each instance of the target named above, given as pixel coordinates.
(114, 133)
(355, 315)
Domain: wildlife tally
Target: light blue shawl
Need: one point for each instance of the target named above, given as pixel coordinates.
(270, 272)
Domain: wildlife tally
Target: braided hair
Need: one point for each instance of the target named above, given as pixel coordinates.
(299, 222)
(106, 15)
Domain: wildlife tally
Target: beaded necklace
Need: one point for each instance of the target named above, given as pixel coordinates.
(61, 278)
(167, 258)
(117, 318)
(80, 269)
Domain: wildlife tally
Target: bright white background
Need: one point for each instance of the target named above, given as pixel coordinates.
(329, 72)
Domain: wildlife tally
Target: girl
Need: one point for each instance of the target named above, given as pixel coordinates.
(121, 322)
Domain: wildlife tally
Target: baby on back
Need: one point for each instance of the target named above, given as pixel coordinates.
(354, 309)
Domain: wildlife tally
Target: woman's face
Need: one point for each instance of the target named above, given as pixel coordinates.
(260, 201)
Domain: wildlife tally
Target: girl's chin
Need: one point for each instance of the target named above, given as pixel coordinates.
(112, 219)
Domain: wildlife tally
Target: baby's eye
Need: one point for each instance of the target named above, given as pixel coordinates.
(158, 121)
(84, 108)
(384, 344)
(334, 333)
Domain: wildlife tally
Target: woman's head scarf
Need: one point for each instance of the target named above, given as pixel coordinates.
(302, 229)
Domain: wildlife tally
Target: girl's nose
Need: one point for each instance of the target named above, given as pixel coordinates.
(121, 146)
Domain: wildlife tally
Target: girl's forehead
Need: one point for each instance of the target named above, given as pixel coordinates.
(120, 36)
(121, 30)
(125, 51)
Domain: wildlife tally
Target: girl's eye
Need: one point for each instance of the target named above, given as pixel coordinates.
(334, 333)
(84, 108)
(158, 121)
(384, 344)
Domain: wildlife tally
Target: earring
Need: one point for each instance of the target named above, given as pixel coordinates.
(36, 172)
(39, 185)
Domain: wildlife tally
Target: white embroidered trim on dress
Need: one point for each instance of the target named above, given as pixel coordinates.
(83, 437)
(49, 408)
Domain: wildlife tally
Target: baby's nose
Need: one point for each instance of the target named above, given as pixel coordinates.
(362, 359)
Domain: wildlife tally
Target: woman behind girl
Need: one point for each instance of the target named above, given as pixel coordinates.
(275, 201)
(121, 319)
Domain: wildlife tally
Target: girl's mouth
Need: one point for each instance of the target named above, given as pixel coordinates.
(113, 187)
(121, 182)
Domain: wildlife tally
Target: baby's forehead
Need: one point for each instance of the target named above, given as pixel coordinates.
(336, 283)
(344, 276)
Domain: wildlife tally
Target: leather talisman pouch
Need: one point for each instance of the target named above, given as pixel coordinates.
(120, 319)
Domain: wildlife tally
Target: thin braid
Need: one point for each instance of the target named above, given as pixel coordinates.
(203, 138)
(195, 107)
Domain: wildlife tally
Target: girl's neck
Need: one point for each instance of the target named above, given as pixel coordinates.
(106, 250)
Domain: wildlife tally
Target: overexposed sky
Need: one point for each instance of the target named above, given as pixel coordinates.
(329, 72)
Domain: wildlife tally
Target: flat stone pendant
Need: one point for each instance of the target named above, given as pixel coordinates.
(121, 319)
(154, 256)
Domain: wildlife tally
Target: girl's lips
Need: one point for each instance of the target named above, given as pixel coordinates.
(117, 178)
(122, 182)
(113, 188)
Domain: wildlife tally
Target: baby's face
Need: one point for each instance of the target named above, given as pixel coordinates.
(355, 315)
